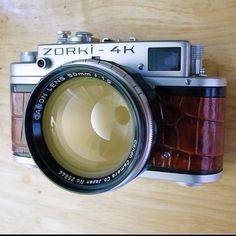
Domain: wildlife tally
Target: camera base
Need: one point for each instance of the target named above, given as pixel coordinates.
(182, 179)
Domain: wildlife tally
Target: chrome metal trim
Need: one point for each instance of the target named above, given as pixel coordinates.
(26, 80)
(27, 69)
(129, 54)
(153, 81)
(29, 56)
(184, 179)
(187, 82)
(22, 88)
(28, 161)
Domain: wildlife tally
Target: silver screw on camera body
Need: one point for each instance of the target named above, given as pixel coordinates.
(188, 81)
(166, 155)
(141, 66)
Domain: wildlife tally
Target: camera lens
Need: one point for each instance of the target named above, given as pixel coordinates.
(88, 127)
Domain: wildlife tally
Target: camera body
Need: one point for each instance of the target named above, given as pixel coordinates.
(182, 108)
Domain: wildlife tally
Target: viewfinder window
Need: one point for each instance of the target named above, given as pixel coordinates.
(164, 59)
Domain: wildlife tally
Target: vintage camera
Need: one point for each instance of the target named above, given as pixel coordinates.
(93, 115)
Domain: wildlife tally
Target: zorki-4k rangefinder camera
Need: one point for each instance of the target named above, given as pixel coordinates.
(93, 115)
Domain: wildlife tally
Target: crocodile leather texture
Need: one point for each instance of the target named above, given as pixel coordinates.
(191, 140)
(19, 102)
(192, 136)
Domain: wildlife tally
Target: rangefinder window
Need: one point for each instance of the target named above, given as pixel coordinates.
(164, 59)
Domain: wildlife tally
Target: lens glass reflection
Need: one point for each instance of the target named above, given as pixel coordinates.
(88, 127)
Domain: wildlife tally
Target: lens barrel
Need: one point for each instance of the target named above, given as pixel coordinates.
(89, 127)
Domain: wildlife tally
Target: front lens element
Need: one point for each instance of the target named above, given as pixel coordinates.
(88, 127)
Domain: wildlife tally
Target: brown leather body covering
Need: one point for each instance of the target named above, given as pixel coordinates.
(192, 134)
(19, 102)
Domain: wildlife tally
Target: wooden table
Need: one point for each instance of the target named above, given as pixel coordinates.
(30, 203)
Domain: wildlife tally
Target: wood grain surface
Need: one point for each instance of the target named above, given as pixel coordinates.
(30, 203)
